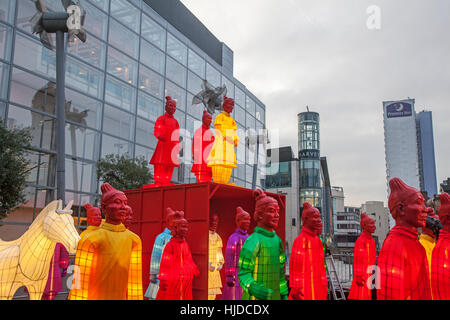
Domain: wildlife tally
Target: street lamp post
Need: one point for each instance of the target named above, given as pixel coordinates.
(44, 23)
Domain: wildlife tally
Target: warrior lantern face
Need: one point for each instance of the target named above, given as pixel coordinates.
(116, 208)
(270, 216)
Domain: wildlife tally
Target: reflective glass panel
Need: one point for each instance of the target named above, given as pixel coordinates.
(212, 75)
(144, 133)
(250, 121)
(239, 97)
(177, 94)
(129, 15)
(176, 72)
(120, 94)
(92, 51)
(239, 115)
(152, 57)
(121, 66)
(84, 78)
(176, 49)
(118, 122)
(82, 142)
(195, 110)
(123, 39)
(196, 63)
(42, 127)
(5, 41)
(149, 107)
(83, 110)
(7, 10)
(79, 175)
(181, 118)
(96, 22)
(230, 87)
(102, 4)
(4, 75)
(250, 105)
(260, 113)
(43, 168)
(151, 82)
(111, 145)
(194, 83)
(153, 32)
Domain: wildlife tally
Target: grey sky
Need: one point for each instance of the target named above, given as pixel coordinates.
(293, 53)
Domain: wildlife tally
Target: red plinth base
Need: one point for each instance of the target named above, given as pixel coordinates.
(197, 200)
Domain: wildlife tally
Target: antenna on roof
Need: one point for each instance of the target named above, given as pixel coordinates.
(307, 108)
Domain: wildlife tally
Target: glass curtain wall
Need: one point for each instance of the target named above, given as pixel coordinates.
(115, 88)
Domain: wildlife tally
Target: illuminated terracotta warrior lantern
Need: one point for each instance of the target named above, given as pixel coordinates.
(177, 268)
(364, 257)
(307, 277)
(109, 259)
(402, 262)
(440, 261)
(261, 262)
(93, 218)
(165, 157)
(202, 144)
(215, 258)
(158, 247)
(26, 261)
(222, 158)
(233, 290)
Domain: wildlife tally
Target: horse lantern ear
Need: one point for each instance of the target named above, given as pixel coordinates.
(66, 210)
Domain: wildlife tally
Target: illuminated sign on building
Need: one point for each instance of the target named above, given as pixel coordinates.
(399, 109)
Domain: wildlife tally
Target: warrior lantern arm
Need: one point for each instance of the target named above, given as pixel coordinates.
(232, 259)
(297, 266)
(135, 273)
(219, 255)
(360, 259)
(283, 283)
(155, 260)
(86, 252)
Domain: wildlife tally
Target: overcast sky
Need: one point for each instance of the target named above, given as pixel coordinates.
(321, 53)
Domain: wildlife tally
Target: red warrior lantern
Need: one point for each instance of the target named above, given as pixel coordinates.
(440, 260)
(177, 268)
(364, 257)
(307, 276)
(202, 144)
(165, 157)
(402, 262)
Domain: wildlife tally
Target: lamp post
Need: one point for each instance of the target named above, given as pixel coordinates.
(44, 23)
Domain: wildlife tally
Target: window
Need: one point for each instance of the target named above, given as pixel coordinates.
(120, 94)
(250, 105)
(176, 49)
(230, 87)
(96, 22)
(239, 97)
(111, 145)
(196, 64)
(92, 51)
(126, 13)
(176, 72)
(121, 66)
(212, 75)
(7, 10)
(177, 94)
(118, 122)
(84, 78)
(144, 133)
(151, 82)
(123, 39)
(194, 83)
(153, 32)
(82, 142)
(149, 107)
(5, 41)
(83, 110)
(195, 110)
(79, 175)
(239, 115)
(102, 4)
(152, 57)
(4, 75)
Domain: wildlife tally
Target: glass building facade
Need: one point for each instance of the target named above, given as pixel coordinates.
(115, 87)
(309, 156)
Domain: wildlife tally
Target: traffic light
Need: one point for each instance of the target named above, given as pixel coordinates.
(70, 21)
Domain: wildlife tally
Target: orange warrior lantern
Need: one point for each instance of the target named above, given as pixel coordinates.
(109, 259)
(165, 158)
(364, 258)
(93, 218)
(222, 158)
(440, 261)
(307, 277)
(215, 258)
(402, 262)
(201, 147)
(177, 268)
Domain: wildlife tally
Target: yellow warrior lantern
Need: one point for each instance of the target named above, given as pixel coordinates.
(222, 158)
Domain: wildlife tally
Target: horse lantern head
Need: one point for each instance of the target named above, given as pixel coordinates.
(59, 227)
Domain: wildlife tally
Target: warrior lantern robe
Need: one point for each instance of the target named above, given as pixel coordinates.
(403, 267)
(307, 266)
(222, 152)
(155, 261)
(202, 144)
(232, 252)
(167, 127)
(215, 259)
(110, 263)
(365, 255)
(440, 267)
(178, 270)
(59, 261)
(261, 266)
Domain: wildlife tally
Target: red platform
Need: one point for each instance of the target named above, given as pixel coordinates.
(197, 200)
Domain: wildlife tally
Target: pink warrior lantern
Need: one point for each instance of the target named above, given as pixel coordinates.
(202, 144)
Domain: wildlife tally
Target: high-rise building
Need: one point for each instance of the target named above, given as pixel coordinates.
(309, 157)
(409, 146)
(136, 53)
